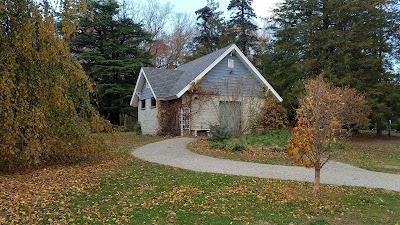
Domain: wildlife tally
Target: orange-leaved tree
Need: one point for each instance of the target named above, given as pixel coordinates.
(323, 111)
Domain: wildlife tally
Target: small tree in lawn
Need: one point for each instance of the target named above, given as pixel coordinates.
(322, 113)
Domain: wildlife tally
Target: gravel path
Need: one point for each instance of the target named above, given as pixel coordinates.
(173, 152)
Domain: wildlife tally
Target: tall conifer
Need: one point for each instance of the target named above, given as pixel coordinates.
(211, 26)
(110, 50)
(348, 41)
(242, 24)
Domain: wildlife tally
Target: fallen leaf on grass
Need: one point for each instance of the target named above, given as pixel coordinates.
(24, 194)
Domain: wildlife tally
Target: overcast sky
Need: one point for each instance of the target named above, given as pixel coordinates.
(261, 7)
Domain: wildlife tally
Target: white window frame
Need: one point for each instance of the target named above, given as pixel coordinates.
(231, 63)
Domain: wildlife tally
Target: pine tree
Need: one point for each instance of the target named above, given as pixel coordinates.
(242, 24)
(109, 48)
(211, 27)
(346, 40)
(394, 10)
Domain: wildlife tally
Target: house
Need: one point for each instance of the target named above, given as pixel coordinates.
(221, 88)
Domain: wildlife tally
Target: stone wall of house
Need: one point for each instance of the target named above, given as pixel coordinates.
(205, 110)
(148, 118)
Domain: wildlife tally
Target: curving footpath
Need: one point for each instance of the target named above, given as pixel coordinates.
(173, 152)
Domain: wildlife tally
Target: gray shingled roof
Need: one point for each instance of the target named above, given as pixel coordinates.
(162, 80)
(194, 68)
(168, 83)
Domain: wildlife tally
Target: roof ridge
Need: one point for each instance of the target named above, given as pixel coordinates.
(212, 53)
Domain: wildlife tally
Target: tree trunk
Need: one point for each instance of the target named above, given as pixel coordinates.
(379, 127)
(126, 121)
(317, 180)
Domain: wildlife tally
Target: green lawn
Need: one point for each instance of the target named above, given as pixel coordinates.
(127, 141)
(371, 153)
(140, 192)
(137, 192)
(366, 151)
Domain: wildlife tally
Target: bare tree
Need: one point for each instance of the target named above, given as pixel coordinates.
(178, 41)
(263, 37)
(171, 32)
(154, 15)
(125, 9)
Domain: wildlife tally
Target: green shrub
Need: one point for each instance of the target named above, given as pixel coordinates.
(220, 133)
(236, 144)
(233, 144)
(137, 128)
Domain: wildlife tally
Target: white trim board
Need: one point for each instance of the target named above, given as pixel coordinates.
(139, 83)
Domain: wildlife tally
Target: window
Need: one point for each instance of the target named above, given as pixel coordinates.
(153, 102)
(231, 63)
(146, 85)
(143, 104)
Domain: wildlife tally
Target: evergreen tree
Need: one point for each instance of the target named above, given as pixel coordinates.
(109, 48)
(211, 27)
(242, 24)
(346, 40)
(394, 9)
